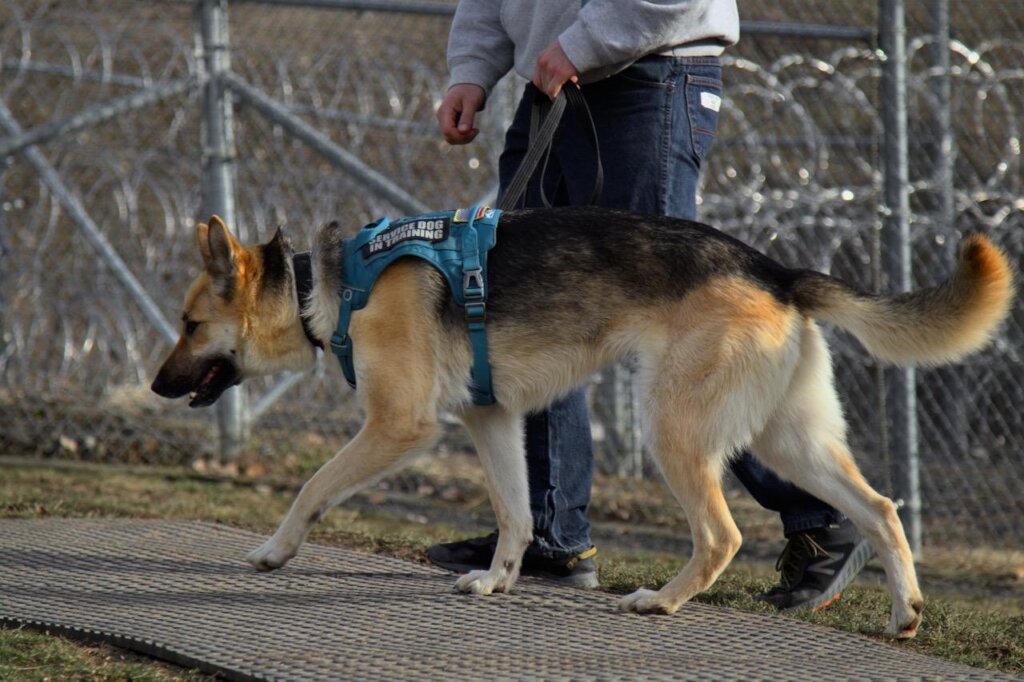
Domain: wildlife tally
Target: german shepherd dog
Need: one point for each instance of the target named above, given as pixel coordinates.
(727, 341)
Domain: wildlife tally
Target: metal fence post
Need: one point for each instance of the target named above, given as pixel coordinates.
(944, 97)
(218, 191)
(5, 208)
(901, 399)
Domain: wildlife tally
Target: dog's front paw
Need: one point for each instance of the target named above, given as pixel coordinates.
(270, 555)
(904, 622)
(647, 601)
(483, 582)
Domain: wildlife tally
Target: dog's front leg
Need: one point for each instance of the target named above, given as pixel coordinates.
(396, 368)
(498, 435)
(375, 451)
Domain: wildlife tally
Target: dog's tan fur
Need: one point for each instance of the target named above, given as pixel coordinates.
(726, 366)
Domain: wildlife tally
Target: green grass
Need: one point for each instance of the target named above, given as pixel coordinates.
(970, 631)
(977, 632)
(32, 656)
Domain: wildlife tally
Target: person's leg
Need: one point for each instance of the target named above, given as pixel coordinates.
(628, 117)
(630, 120)
(560, 462)
(558, 442)
(799, 510)
(559, 452)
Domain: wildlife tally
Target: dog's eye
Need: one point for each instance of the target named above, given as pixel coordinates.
(190, 327)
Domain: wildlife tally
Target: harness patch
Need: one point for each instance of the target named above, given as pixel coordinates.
(433, 230)
(463, 214)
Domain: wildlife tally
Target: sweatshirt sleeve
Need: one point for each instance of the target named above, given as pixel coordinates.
(612, 31)
(479, 49)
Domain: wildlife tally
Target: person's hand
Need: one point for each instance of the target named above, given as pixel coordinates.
(554, 70)
(455, 115)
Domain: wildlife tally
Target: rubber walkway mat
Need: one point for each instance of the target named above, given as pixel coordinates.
(181, 591)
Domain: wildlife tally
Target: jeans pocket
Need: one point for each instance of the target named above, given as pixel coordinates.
(646, 73)
(703, 100)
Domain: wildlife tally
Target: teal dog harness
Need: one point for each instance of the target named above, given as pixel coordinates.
(456, 244)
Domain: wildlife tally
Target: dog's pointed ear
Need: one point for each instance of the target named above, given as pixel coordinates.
(279, 242)
(277, 255)
(220, 251)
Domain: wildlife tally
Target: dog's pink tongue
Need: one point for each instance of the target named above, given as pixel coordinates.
(210, 376)
(199, 394)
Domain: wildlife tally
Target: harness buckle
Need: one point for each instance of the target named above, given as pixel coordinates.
(473, 282)
(475, 311)
(339, 344)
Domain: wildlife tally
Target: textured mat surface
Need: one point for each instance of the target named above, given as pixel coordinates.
(181, 591)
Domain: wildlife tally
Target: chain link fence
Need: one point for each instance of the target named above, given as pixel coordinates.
(796, 172)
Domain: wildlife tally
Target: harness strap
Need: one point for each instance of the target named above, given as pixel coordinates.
(341, 342)
(352, 298)
(474, 293)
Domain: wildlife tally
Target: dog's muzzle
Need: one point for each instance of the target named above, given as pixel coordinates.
(203, 387)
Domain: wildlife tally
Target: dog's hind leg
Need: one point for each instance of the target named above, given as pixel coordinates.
(806, 444)
(694, 474)
(732, 353)
(498, 435)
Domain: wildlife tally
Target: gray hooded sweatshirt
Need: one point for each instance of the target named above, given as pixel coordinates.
(600, 37)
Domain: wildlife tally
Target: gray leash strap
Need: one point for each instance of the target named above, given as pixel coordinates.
(544, 119)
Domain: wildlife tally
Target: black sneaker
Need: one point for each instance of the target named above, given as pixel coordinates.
(476, 554)
(816, 567)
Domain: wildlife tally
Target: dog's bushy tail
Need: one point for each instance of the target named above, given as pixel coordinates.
(930, 326)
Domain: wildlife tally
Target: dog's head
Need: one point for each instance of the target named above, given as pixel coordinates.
(241, 319)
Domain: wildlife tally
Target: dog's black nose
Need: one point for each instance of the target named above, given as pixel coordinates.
(160, 387)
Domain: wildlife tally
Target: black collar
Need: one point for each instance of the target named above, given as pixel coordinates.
(303, 268)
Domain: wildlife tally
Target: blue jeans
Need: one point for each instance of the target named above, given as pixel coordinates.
(655, 122)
